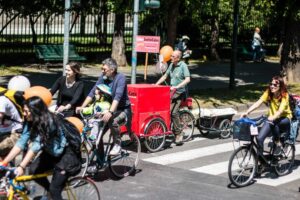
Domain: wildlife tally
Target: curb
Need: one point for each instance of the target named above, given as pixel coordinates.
(244, 107)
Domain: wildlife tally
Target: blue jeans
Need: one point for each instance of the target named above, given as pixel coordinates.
(258, 53)
(278, 126)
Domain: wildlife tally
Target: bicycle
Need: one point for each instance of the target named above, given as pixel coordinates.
(96, 155)
(187, 119)
(243, 163)
(15, 188)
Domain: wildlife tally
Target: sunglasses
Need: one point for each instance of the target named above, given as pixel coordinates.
(274, 84)
(104, 69)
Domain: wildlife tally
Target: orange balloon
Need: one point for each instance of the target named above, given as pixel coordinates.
(76, 122)
(166, 52)
(39, 91)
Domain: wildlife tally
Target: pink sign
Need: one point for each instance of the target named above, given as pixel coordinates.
(148, 44)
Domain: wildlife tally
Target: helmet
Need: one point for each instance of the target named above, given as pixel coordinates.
(185, 37)
(105, 89)
(18, 83)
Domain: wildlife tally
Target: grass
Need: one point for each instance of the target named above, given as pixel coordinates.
(239, 96)
(15, 70)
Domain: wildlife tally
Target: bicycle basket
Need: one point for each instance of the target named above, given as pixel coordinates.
(241, 131)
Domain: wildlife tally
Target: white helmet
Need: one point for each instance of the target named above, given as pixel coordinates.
(185, 37)
(18, 83)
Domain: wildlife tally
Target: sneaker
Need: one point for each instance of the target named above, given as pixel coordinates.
(92, 169)
(277, 150)
(116, 150)
(178, 140)
(289, 141)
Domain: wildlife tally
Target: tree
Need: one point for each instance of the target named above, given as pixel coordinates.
(120, 8)
(290, 54)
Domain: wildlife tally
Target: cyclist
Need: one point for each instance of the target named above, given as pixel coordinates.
(70, 90)
(279, 114)
(43, 129)
(120, 109)
(10, 117)
(180, 77)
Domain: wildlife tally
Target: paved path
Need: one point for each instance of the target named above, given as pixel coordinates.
(197, 170)
(204, 75)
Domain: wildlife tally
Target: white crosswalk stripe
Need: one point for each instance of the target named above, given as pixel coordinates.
(219, 168)
(222, 167)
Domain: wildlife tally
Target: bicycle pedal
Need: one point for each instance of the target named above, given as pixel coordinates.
(92, 169)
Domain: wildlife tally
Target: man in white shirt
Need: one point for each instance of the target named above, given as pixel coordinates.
(10, 125)
(257, 43)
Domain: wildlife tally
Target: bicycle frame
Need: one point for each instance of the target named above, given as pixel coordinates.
(101, 159)
(21, 190)
(254, 146)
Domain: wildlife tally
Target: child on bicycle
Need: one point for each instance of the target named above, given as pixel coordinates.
(279, 115)
(101, 103)
(47, 136)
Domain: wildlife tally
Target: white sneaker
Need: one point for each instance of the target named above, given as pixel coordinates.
(115, 150)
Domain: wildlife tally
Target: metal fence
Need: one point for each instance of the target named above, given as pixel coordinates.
(90, 33)
(93, 33)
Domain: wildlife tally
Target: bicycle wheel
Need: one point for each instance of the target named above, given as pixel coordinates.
(126, 162)
(225, 128)
(85, 159)
(285, 160)
(187, 123)
(80, 188)
(155, 142)
(203, 131)
(242, 166)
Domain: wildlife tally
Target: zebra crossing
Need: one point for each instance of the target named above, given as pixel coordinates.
(211, 156)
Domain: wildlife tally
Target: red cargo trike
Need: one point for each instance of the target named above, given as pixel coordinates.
(151, 118)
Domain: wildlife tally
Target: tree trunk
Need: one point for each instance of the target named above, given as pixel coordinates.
(34, 36)
(214, 39)
(290, 54)
(172, 21)
(118, 46)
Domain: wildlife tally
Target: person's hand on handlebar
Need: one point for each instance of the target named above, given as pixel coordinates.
(106, 115)
(243, 115)
(271, 118)
(78, 109)
(60, 109)
(173, 88)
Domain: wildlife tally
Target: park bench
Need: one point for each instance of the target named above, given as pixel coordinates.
(55, 52)
(244, 53)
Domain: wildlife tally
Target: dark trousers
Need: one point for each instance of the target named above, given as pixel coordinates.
(279, 125)
(46, 162)
(119, 118)
(175, 105)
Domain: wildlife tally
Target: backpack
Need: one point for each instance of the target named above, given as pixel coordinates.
(71, 159)
(294, 101)
(16, 97)
(72, 135)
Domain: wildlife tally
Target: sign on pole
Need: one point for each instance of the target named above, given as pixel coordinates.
(147, 44)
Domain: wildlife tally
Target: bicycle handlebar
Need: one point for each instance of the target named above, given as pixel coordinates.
(10, 175)
(254, 121)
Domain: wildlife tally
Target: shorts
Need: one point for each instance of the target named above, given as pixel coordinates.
(7, 142)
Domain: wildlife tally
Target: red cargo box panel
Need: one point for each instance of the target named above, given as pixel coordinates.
(148, 99)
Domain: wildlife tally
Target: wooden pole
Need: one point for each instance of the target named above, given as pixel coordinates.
(146, 67)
